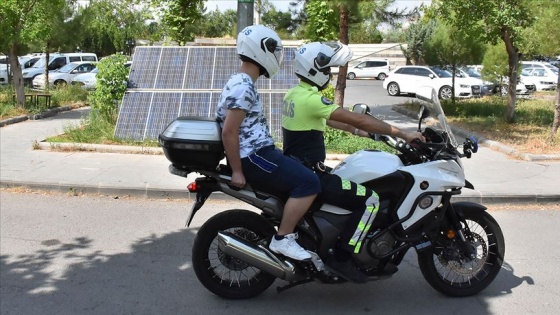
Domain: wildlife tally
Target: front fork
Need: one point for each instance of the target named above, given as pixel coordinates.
(455, 213)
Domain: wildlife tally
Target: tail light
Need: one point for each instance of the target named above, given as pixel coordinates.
(193, 187)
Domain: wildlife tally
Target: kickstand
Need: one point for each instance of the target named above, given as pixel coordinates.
(292, 284)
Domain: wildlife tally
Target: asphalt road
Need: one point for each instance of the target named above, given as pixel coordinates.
(87, 254)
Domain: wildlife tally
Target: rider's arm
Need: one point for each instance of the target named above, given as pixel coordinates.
(373, 125)
(346, 127)
(230, 138)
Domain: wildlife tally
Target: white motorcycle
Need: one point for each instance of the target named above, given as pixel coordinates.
(460, 246)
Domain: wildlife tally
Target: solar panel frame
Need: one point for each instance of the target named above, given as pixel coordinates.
(166, 82)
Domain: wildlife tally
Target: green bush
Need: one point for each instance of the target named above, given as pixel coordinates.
(110, 88)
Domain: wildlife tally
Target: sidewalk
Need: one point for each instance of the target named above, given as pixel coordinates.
(121, 170)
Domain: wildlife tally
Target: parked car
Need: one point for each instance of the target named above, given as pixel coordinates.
(407, 79)
(55, 62)
(89, 80)
(86, 80)
(487, 87)
(64, 75)
(28, 61)
(522, 89)
(25, 62)
(377, 68)
(537, 64)
(3, 75)
(544, 79)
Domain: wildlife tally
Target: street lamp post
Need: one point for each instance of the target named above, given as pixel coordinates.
(244, 13)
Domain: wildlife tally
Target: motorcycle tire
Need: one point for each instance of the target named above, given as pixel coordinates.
(225, 275)
(457, 278)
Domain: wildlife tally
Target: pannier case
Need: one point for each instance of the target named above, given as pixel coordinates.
(193, 143)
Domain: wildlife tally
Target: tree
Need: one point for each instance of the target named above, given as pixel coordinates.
(180, 17)
(491, 21)
(24, 21)
(415, 37)
(107, 25)
(218, 24)
(495, 65)
(280, 21)
(365, 33)
(447, 48)
(327, 18)
(544, 38)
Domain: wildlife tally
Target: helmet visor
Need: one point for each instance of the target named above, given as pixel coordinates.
(340, 56)
(271, 45)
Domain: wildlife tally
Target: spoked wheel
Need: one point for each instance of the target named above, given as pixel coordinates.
(393, 89)
(450, 270)
(445, 92)
(223, 274)
(351, 76)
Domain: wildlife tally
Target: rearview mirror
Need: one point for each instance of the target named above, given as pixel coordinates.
(424, 112)
(361, 109)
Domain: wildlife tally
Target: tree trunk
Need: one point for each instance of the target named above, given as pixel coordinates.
(47, 56)
(556, 121)
(343, 71)
(17, 76)
(513, 60)
(454, 73)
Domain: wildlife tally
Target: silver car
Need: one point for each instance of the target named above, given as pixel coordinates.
(64, 75)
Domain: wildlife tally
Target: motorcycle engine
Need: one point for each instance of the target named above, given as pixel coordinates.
(375, 247)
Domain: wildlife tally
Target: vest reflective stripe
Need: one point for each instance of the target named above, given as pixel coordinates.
(365, 222)
(360, 190)
(346, 185)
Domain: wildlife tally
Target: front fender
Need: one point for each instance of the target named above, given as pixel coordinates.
(465, 207)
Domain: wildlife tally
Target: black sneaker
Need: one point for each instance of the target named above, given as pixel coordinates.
(347, 271)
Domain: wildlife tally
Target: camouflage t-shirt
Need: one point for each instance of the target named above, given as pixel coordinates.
(240, 92)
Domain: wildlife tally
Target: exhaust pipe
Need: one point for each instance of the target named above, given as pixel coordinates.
(257, 256)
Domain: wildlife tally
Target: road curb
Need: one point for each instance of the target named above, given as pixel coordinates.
(158, 193)
(48, 113)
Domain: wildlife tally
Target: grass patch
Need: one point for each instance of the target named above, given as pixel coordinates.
(63, 96)
(486, 117)
(96, 132)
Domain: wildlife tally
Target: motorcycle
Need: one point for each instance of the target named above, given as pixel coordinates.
(460, 247)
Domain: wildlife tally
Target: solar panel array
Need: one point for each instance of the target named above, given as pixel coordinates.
(168, 82)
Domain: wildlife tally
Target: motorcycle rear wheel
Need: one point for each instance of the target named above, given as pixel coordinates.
(457, 278)
(225, 275)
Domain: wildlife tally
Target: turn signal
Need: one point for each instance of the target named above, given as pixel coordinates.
(450, 234)
(192, 187)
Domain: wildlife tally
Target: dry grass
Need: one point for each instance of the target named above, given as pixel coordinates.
(523, 138)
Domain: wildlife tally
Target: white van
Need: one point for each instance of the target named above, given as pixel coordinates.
(374, 68)
(56, 61)
(3, 69)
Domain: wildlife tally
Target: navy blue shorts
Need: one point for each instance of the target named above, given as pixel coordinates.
(270, 170)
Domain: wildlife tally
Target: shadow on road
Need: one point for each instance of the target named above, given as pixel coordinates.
(155, 277)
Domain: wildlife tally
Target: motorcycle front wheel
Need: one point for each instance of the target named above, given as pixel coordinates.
(223, 274)
(449, 270)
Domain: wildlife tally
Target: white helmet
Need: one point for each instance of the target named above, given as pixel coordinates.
(262, 45)
(313, 61)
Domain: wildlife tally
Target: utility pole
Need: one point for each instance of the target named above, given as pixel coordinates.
(245, 9)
